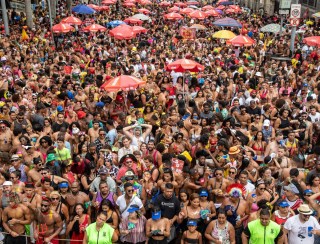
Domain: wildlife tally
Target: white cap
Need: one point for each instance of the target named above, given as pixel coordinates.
(75, 130)
(7, 183)
(266, 122)
(3, 58)
(259, 74)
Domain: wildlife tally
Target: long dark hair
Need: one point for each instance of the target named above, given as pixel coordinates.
(108, 203)
(76, 225)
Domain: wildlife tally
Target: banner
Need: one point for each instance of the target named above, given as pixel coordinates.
(187, 33)
(177, 165)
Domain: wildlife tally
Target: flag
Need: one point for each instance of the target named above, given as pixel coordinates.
(306, 13)
(24, 35)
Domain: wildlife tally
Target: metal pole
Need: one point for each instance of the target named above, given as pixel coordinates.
(281, 24)
(50, 20)
(5, 17)
(293, 33)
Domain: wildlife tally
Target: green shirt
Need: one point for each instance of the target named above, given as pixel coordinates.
(263, 234)
(104, 236)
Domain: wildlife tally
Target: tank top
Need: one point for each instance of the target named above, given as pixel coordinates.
(221, 234)
(23, 177)
(188, 240)
(283, 124)
(279, 219)
(59, 211)
(109, 197)
(5, 201)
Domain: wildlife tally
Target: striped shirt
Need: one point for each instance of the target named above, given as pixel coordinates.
(137, 234)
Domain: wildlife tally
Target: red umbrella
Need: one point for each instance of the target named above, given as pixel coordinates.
(240, 41)
(192, 3)
(131, 20)
(213, 13)
(235, 7)
(230, 11)
(186, 10)
(221, 7)
(94, 28)
(164, 4)
(173, 16)
(174, 9)
(104, 8)
(123, 32)
(144, 11)
(108, 2)
(122, 82)
(139, 29)
(93, 6)
(207, 7)
(197, 14)
(62, 28)
(180, 4)
(312, 41)
(71, 21)
(129, 4)
(182, 65)
(145, 2)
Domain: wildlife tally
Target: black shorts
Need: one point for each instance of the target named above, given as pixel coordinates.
(153, 241)
(15, 240)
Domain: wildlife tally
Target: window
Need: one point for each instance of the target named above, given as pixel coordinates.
(309, 3)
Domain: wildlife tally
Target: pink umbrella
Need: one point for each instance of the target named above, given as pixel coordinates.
(62, 28)
(123, 32)
(180, 4)
(213, 13)
(174, 9)
(207, 7)
(122, 82)
(144, 11)
(192, 3)
(108, 2)
(173, 16)
(186, 10)
(145, 2)
(71, 21)
(93, 6)
(104, 8)
(221, 7)
(139, 29)
(231, 11)
(197, 14)
(94, 28)
(164, 4)
(131, 20)
(129, 4)
(182, 65)
(241, 41)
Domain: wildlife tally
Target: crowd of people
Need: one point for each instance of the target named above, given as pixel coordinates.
(227, 155)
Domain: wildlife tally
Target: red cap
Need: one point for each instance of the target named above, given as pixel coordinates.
(81, 114)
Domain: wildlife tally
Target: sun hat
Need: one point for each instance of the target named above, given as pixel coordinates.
(305, 209)
(234, 150)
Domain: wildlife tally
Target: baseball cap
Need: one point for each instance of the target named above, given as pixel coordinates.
(203, 193)
(266, 122)
(283, 204)
(15, 157)
(291, 187)
(60, 108)
(133, 208)
(103, 171)
(156, 215)
(7, 183)
(192, 223)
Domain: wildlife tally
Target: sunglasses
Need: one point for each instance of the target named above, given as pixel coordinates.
(129, 178)
(15, 160)
(129, 162)
(102, 134)
(261, 189)
(44, 173)
(45, 205)
(129, 190)
(232, 172)
(218, 174)
(55, 198)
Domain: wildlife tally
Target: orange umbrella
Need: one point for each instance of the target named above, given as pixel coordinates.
(71, 21)
(173, 16)
(197, 14)
(207, 7)
(122, 82)
(144, 11)
(174, 9)
(93, 6)
(312, 41)
(182, 65)
(164, 4)
(139, 29)
(108, 2)
(62, 28)
(131, 20)
(241, 40)
(180, 4)
(213, 13)
(94, 28)
(186, 10)
(123, 32)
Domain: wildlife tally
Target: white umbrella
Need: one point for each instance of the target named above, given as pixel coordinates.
(141, 17)
(274, 28)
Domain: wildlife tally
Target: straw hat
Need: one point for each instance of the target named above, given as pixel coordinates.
(234, 150)
(305, 209)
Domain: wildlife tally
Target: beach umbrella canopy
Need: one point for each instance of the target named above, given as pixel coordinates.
(197, 14)
(173, 16)
(174, 9)
(131, 20)
(145, 2)
(227, 22)
(141, 17)
(95, 28)
(93, 6)
(186, 10)
(103, 8)
(198, 27)
(180, 4)
(226, 3)
(108, 2)
(115, 23)
(122, 82)
(224, 34)
(221, 7)
(62, 28)
(235, 7)
(316, 15)
(213, 13)
(139, 29)
(312, 41)
(128, 4)
(83, 9)
(231, 11)
(123, 32)
(182, 65)
(164, 4)
(274, 28)
(241, 40)
(192, 3)
(144, 11)
(219, 11)
(71, 21)
(207, 7)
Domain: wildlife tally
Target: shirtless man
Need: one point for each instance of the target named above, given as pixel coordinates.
(273, 146)
(77, 196)
(244, 118)
(6, 137)
(80, 97)
(237, 211)
(218, 186)
(30, 198)
(47, 224)
(14, 218)
(163, 97)
(34, 174)
(94, 131)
